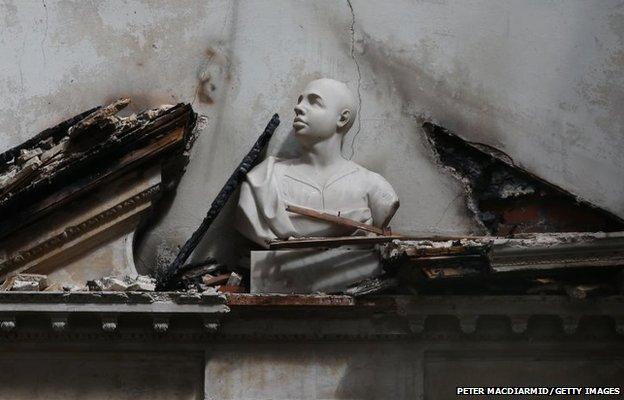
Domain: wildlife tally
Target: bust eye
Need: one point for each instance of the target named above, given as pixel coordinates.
(315, 100)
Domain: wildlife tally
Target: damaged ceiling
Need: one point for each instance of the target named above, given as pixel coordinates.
(84, 183)
(87, 183)
(505, 199)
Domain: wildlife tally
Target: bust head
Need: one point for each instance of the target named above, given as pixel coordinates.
(326, 107)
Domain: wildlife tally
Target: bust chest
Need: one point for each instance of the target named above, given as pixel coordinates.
(343, 191)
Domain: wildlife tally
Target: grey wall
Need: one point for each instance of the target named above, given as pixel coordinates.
(67, 375)
(400, 370)
(542, 80)
(299, 369)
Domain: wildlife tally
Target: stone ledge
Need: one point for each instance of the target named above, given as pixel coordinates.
(246, 316)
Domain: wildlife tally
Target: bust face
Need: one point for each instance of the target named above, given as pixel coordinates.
(319, 110)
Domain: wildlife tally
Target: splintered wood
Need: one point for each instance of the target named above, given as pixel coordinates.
(335, 219)
(85, 183)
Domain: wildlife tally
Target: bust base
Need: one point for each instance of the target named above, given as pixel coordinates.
(311, 270)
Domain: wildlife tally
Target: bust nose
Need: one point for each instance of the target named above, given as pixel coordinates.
(298, 110)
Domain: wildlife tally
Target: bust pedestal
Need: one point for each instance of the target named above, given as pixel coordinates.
(311, 270)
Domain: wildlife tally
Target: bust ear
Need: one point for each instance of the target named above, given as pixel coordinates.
(345, 118)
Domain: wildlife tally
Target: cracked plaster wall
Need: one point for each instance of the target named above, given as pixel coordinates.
(543, 81)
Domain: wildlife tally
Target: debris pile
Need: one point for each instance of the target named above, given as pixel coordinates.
(199, 277)
(141, 283)
(577, 264)
(25, 283)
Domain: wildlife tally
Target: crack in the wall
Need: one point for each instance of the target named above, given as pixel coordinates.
(20, 62)
(359, 80)
(45, 32)
(448, 206)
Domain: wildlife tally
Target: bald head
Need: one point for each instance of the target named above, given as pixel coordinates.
(324, 108)
(339, 93)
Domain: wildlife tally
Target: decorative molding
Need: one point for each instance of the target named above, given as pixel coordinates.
(519, 322)
(75, 231)
(109, 323)
(59, 322)
(7, 323)
(161, 323)
(207, 317)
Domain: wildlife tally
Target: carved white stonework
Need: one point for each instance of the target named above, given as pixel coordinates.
(310, 270)
(320, 178)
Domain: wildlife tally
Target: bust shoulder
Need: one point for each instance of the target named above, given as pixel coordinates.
(374, 179)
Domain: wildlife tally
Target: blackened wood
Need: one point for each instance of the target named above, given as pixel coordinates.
(55, 133)
(219, 202)
(97, 116)
(82, 185)
(75, 165)
(371, 285)
(508, 199)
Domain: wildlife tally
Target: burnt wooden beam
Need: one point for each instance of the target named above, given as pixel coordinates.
(239, 174)
(121, 140)
(75, 164)
(96, 117)
(51, 134)
(371, 286)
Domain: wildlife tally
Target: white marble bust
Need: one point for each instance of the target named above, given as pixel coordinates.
(320, 178)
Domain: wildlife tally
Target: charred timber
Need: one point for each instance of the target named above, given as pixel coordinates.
(248, 162)
(85, 152)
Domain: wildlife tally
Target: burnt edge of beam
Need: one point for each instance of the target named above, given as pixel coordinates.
(88, 172)
(536, 206)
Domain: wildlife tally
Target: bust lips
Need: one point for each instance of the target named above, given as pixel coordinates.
(299, 123)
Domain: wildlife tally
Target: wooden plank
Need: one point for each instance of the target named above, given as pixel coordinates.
(74, 166)
(55, 133)
(85, 185)
(97, 116)
(330, 242)
(334, 219)
(219, 202)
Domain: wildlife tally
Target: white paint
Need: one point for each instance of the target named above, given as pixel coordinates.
(544, 81)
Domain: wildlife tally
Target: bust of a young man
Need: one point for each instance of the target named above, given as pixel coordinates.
(320, 178)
